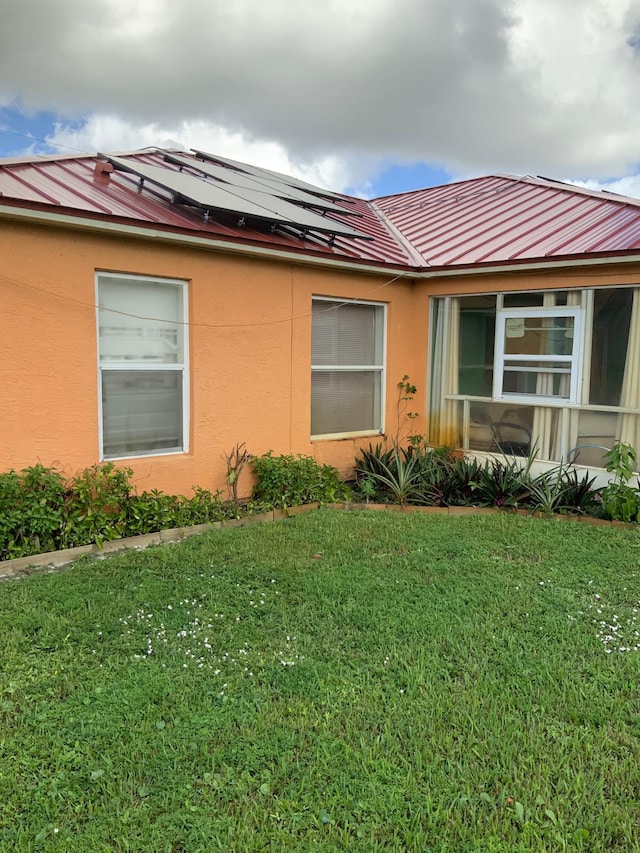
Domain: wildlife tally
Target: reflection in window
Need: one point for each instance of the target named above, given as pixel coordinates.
(477, 334)
(611, 319)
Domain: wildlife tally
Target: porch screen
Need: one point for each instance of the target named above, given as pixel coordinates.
(142, 358)
(347, 365)
(556, 372)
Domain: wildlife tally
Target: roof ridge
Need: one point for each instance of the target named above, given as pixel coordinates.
(536, 180)
(567, 186)
(79, 155)
(412, 253)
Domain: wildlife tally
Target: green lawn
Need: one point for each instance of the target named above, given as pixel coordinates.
(336, 681)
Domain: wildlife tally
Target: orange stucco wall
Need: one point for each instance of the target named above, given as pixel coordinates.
(250, 345)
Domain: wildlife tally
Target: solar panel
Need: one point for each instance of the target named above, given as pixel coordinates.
(212, 195)
(268, 173)
(258, 184)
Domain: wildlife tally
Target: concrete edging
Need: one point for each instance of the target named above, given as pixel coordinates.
(53, 559)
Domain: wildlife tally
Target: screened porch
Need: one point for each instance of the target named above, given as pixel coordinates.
(553, 372)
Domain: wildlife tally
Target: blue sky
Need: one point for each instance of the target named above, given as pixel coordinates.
(401, 94)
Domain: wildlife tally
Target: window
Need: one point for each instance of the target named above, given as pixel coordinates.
(476, 345)
(556, 372)
(347, 367)
(612, 310)
(537, 354)
(142, 356)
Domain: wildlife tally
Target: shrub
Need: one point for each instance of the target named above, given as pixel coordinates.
(560, 490)
(416, 474)
(96, 505)
(204, 507)
(621, 501)
(40, 510)
(504, 483)
(31, 511)
(284, 481)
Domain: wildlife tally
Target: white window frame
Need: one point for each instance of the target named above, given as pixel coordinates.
(380, 368)
(129, 366)
(575, 359)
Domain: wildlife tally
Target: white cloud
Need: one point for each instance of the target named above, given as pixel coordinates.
(629, 186)
(334, 88)
(111, 133)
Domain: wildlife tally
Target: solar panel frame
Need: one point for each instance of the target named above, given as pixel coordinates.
(211, 195)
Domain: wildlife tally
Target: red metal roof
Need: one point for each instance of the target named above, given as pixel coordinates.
(505, 218)
(69, 185)
(495, 219)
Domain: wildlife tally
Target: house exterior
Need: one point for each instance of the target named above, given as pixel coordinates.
(160, 307)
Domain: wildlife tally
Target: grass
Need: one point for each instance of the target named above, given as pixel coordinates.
(337, 681)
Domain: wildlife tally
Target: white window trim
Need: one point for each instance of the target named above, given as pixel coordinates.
(381, 368)
(133, 365)
(575, 359)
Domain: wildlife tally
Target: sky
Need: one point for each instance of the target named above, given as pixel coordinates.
(364, 96)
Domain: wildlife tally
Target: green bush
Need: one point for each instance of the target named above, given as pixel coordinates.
(561, 490)
(437, 477)
(96, 505)
(284, 481)
(417, 474)
(41, 510)
(31, 511)
(621, 501)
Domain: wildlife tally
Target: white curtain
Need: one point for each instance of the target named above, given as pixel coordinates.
(449, 436)
(628, 430)
(436, 375)
(544, 420)
(444, 372)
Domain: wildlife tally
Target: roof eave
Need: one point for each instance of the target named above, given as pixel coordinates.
(92, 222)
(305, 255)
